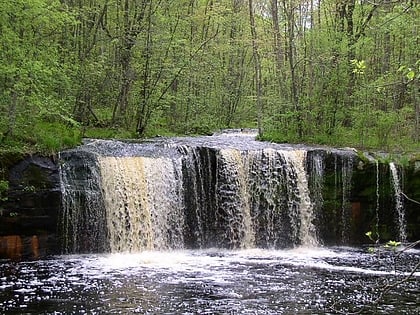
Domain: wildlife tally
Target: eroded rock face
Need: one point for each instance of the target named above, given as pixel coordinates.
(18, 247)
(28, 218)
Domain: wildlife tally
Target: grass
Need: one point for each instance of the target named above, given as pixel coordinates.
(347, 138)
(51, 137)
(44, 138)
(108, 133)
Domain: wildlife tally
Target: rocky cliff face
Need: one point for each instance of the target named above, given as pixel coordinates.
(28, 217)
(411, 190)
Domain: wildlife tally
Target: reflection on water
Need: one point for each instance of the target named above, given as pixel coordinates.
(298, 281)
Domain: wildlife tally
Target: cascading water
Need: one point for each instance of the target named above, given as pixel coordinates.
(399, 202)
(242, 199)
(128, 214)
(272, 199)
(195, 193)
(199, 193)
(316, 170)
(143, 203)
(307, 232)
(227, 191)
(346, 179)
(233, 202)
(83, 223)
(377, 201)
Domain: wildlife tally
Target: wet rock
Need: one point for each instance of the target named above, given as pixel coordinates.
(31, 208)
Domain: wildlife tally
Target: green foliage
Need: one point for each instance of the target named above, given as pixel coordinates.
(385, 123)
(409, 72)
(32, 77)
(4, 187)
(369, 235)
(29, 188)
(108, 133)
(52, 136)
(392, 244)
(359, 66)
(82, 69)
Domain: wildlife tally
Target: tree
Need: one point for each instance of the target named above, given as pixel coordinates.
(257, 66)
(235, 66)
(131, 17)
(31, 75)
(193, 66)
(85, 49)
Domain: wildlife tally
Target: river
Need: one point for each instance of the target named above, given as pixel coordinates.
(323, 280)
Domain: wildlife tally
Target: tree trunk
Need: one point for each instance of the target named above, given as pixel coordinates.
(416, 102)
(127, 76)
(144, 110)
(133, 16)
(290, 16)
(257, 65)
(235, 75)
(278, 47)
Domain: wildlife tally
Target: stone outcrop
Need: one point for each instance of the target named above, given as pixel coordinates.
(28, 217)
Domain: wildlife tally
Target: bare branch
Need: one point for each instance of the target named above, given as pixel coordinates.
(388, 287)
(408, 198)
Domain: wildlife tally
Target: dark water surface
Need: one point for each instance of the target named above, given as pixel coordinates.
(296, 281)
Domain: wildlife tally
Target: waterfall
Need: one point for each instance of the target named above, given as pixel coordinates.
(346, 180)
(233, 202)
(82, 223)
(307, 231)
(271, 207)
(220, 191)
(399, 202)
(143, 203)
(377, 200)
(316, 183)
(199, 182)
(246, 198)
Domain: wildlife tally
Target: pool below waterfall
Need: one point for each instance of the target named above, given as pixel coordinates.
(330, 280)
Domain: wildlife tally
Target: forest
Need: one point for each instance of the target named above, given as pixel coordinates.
(334, 72)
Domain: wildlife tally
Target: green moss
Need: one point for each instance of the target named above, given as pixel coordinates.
(362, 156)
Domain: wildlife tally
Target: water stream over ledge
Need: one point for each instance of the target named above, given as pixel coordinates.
(226, 191)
